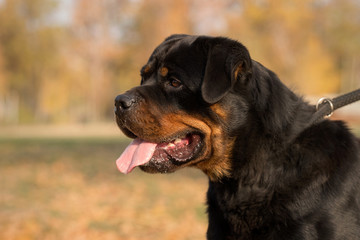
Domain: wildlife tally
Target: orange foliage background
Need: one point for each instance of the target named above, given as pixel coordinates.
(64, 61)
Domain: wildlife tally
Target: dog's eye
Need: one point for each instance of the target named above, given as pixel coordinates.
(174, 82)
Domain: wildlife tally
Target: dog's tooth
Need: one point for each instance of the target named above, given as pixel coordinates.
(170, 145)
(177, 141)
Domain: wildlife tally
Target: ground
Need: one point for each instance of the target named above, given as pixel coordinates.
(62, 183)
(70, 189)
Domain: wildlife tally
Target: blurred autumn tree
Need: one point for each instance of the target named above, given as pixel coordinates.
(296, 40)
(69, 72)
(28, 50)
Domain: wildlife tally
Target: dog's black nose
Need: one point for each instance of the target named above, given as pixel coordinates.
(123, 102)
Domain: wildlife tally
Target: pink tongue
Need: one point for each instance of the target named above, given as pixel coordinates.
(137, 153)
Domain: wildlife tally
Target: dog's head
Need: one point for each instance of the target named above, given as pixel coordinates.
(186, 109)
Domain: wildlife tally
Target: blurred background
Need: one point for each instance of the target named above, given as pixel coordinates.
(62, 62)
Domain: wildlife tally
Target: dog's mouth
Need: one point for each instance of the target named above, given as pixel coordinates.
(177, 151)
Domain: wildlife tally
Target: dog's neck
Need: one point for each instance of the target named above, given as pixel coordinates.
(258, 173)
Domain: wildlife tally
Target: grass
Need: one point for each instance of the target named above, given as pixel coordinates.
(71, 189)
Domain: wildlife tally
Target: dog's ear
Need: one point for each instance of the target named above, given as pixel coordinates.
(227, 62)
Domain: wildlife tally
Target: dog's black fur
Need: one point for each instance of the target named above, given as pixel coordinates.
(270, 177)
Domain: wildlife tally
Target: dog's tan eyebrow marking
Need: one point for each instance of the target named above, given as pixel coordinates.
(163, 71)
(146, 69)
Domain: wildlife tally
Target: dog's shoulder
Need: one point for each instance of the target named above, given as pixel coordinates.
(314, 187)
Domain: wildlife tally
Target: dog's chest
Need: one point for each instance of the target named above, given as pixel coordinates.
(243, 210)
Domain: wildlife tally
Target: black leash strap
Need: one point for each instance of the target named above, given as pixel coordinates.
(325, 106)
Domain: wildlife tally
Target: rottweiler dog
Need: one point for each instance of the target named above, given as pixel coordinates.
(204, 103)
